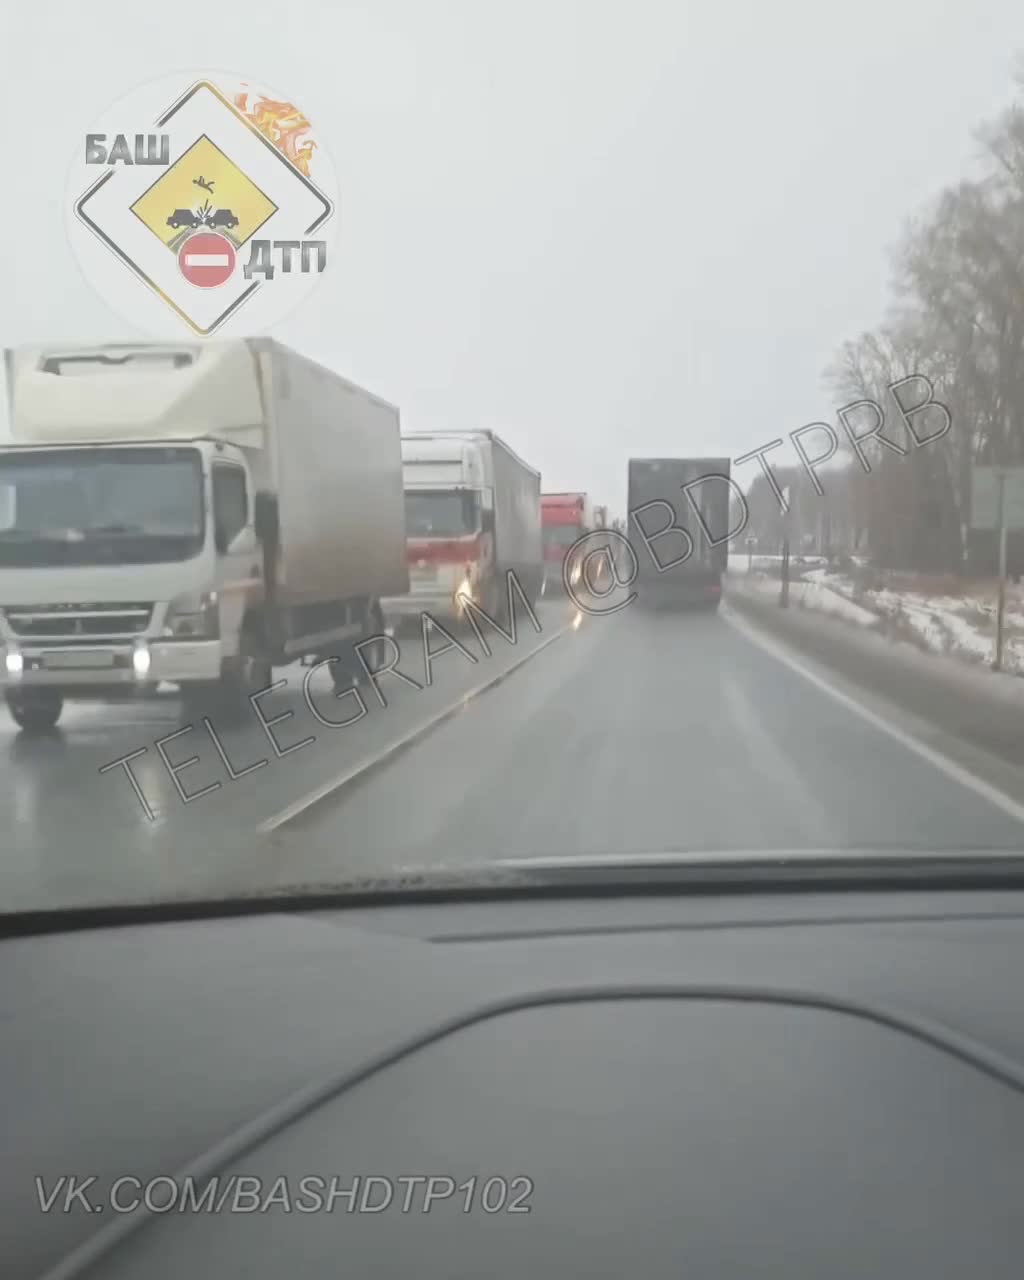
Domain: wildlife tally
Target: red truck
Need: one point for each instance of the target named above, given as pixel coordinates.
(564, 519)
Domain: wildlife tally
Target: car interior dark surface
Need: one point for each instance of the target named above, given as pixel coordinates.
(731, 1083)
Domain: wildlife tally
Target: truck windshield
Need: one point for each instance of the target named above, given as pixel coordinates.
(101, 506)
(439, 513)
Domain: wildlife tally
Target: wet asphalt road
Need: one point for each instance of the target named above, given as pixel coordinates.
(635, 733)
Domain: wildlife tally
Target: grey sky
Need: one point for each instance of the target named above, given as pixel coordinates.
(600, 227)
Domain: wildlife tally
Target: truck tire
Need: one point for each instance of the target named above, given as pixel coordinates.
(246, 674)
(376, 654)
(36, 711)
(226, 701)
(349, 670)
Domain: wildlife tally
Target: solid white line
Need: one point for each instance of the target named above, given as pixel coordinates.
(335, 784)
(206, 259)
(947, 766)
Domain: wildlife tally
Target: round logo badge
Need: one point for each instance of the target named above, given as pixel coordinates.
(202, 203)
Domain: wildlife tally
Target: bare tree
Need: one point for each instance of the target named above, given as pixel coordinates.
(957, 320)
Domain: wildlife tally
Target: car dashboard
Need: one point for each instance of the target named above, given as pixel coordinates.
(825, 1084)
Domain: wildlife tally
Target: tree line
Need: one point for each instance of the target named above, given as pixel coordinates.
(956, 318)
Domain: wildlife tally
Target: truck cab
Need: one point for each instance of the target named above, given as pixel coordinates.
(449, 526)
(565, 518)
(126, 555)
(191, 515)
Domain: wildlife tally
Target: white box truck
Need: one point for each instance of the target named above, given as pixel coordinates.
(472, 514)
(191, 514)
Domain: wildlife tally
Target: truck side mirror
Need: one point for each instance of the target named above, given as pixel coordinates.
(265, 518)
(220, 539)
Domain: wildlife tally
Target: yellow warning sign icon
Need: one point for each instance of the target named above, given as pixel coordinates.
(203, 188)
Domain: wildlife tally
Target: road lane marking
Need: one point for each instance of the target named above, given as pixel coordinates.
(330, 788)
(950, 768)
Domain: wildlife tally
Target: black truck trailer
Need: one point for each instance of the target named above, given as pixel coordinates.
(678, 528)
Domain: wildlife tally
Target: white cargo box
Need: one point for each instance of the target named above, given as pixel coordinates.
(329, 450)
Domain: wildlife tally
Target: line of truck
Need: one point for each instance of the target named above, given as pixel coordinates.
(197, 514)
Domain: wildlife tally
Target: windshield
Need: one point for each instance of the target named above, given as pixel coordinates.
(744, 283)
(92, 506)
(437, 514)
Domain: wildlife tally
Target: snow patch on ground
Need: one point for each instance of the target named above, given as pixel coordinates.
(960, 625)
(811, 595)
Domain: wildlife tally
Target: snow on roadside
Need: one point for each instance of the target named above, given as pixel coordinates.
(811, 595)
(963, 626)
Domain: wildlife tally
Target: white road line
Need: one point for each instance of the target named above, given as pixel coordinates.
(314, 797)
(949, 767)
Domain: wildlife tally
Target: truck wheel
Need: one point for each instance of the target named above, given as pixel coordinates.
(349, 670)
(35, 712)
(244, 675)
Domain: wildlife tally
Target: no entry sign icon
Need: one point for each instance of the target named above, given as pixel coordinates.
(207, 259)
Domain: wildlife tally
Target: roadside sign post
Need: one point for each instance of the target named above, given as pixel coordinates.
(997, 506)
(784, 592)
(997, 661)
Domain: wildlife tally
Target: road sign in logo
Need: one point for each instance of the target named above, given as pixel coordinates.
(207, 260)
(202, 201)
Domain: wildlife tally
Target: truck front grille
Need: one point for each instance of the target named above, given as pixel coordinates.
(78, 621)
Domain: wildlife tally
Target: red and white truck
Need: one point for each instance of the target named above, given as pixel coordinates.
(472, 514)
(565, 518)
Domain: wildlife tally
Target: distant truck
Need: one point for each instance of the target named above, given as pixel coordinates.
(680, 566)
(472, 514)
(191, 514)
(566, 517)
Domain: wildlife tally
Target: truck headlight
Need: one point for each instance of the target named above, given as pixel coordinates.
(464, 591)
(141, 661)
(194, 616)
(15, 664)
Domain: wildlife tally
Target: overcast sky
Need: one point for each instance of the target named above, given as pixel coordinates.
(600, 227)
